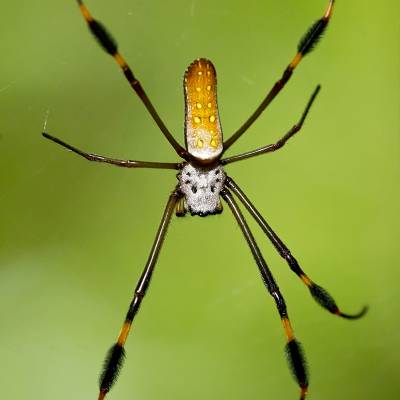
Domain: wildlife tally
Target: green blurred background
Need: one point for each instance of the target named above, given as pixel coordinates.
(75, 235)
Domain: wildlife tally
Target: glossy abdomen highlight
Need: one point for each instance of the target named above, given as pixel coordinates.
(203, 133)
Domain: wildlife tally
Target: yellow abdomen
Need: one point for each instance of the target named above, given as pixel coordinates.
(203, 133)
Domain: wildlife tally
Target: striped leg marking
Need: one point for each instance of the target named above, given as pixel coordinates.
(319, 294)
(305, 46)
(110, 46)
(293, 348)
(115, 356)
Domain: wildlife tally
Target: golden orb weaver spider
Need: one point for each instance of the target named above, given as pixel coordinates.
(202, 181)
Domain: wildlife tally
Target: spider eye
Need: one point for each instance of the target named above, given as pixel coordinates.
(194, 189)
(187, 182)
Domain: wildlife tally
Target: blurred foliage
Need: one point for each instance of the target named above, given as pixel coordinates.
(74, 236)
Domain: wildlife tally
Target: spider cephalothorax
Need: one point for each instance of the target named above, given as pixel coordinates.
(201, 187)
(203, 182)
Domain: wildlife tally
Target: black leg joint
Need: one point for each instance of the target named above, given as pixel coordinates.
(129, 76)
(133, 308)
(293, 264)
(280, 303)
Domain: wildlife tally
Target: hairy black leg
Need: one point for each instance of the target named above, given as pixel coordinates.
(318, 293)
(306, 44)
(116, 354)
(293, 348)
(110, 46)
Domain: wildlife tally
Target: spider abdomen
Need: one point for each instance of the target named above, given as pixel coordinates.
(201, 187)
(203, 132)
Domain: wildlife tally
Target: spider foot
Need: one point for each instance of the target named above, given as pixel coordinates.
(324, 299)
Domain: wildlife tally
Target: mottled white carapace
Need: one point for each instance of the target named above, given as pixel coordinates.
(201, 188)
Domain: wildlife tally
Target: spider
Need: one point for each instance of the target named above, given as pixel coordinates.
(202, 181)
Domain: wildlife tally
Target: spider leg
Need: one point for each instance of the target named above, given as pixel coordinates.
(110, 46)
(180, 210)
(306, 44)
(113, 161)
(116, 354)
(282, 141)
(293, 348)
(320, 295)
